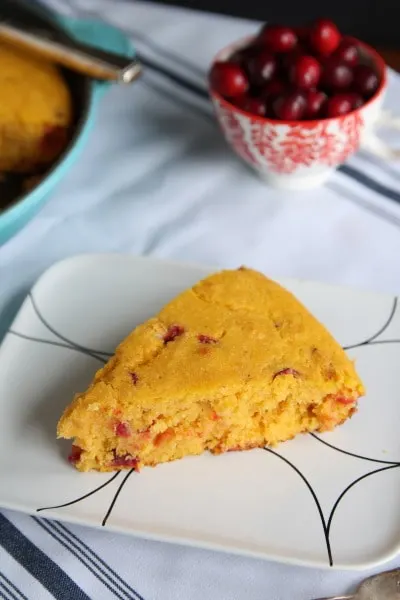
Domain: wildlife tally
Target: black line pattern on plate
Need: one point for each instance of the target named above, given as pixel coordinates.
(379, 332)
(394, 463)
(326, 525)
(100, 487)
(70, 343)
(58, 344)
(371, 341)
(97, 354)
(351, 485)
(315, 498)
(360, 456)
(117, 493)
(379, 342)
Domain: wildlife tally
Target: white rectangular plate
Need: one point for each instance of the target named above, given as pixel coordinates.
(332, 501)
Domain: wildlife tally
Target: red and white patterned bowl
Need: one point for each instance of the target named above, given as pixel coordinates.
(297, 154)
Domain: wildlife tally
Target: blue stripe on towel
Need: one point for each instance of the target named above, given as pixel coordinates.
(40, 566)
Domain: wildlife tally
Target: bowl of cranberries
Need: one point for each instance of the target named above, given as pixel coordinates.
(296, 102)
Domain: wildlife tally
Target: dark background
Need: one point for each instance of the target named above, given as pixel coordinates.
(375, 21)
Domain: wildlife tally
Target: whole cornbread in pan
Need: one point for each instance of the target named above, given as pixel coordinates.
(35, 112)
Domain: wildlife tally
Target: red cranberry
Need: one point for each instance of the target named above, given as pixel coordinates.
(324, 37)
(75, 454)
(134, 377)
(345, 400)
(339, 105)
(357, 100)
(242, 55)
(126, 460)
(123, 429)
(315, 100)
(337, 75)
(252, 105)
(288, 59)
(278, 38)
(302, 33)
(287, 371)
(290, 107)
(262, 67)
(206, 339)
(272, 89)
(173, 332)
(366, 81)
(347, 52)
(305, 72)
(228, 79)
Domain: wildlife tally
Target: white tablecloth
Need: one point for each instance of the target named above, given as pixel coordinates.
(156, 178)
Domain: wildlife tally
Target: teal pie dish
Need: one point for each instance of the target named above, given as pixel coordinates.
(86, 94)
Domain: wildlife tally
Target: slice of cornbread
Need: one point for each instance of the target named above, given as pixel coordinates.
(234, 363)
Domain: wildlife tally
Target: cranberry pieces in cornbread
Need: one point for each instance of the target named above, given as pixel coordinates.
(212, 371)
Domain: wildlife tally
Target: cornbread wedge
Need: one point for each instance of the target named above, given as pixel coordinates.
(236, 362)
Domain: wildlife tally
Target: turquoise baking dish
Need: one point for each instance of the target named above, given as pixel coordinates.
(86, 95)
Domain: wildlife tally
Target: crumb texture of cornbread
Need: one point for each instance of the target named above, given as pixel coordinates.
(35, 111)
(236, 362)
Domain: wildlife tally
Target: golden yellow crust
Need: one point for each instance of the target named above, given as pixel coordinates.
(35, 111)
(235, 362)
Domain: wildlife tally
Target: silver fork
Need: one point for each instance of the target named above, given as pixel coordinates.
(384, 586)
